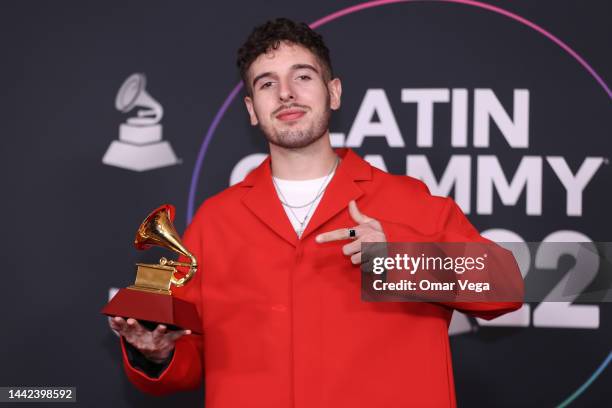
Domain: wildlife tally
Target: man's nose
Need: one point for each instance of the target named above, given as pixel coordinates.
(285, 92)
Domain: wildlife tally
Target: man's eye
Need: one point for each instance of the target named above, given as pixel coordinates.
(266, 85)
(304, 77)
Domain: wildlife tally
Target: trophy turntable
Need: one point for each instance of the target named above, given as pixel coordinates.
(149, 300)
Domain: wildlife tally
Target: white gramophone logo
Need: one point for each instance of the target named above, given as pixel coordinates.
(140, 146)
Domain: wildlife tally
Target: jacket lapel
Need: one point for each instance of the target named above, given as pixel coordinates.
(263, 200)
(341, 189)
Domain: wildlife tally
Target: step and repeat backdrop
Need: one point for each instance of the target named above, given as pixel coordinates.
(112, 108)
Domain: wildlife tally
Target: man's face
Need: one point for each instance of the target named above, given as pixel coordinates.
(291, 100)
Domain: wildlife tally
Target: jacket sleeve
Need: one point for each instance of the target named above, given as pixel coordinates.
(140, 362)
(184, 371)
(453, 226)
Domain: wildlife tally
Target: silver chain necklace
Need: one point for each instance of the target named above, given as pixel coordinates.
(303, 205)
(322, 189)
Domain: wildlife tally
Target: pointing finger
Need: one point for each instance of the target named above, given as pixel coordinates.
(335, 235)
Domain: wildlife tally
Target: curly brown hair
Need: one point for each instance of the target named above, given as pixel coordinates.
(270, 35)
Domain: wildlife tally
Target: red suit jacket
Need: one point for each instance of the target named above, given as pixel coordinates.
(283, 321)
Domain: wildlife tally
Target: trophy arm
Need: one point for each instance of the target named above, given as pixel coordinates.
(193, 267)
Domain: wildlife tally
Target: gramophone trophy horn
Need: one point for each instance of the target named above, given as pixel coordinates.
(157, 230)
(150, 297)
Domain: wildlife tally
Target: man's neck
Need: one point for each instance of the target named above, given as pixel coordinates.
(310, 162)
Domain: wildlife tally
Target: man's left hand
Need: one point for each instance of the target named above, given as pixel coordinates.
(366, 230)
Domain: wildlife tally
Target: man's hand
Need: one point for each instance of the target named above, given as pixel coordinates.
(156, 345)
(366, 230)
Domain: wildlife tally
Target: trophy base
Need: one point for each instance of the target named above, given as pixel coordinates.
(154, 308)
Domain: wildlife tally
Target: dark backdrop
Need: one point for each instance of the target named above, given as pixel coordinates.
(69, 220)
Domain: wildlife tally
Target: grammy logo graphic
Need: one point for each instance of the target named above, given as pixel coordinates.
(140, 146)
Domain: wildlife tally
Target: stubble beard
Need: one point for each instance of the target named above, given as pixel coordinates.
(296, 139)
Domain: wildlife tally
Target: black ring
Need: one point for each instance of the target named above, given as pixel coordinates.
(352, 233)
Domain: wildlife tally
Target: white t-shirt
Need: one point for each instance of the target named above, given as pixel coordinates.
(300, 192)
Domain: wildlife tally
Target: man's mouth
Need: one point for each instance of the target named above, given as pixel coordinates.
(290, 114)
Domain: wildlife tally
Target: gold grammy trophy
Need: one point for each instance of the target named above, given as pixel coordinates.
(150, 299)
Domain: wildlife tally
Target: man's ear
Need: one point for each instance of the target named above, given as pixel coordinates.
(248, 101)
(335, 93)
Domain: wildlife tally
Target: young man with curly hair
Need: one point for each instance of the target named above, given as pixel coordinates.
(279, 284)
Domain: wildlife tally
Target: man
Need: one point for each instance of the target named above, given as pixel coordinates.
(278, 289)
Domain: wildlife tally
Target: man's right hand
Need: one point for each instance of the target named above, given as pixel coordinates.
(156, 345)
